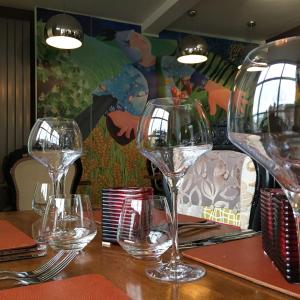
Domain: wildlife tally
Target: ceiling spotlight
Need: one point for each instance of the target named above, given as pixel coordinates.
(64, 32)
(251, 23)
(192, 12)
(192, 50)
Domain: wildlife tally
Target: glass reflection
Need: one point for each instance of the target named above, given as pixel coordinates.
(276, 87)
(45, 133)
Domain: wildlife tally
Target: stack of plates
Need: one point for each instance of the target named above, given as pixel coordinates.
(112, 202)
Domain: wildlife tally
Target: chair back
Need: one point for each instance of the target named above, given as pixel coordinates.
(22, 173)
(220, 187)
(26, 173)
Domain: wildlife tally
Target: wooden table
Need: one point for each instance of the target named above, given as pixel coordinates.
(128, 273)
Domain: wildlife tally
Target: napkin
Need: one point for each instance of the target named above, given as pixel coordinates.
(13, 238)
(85, 287)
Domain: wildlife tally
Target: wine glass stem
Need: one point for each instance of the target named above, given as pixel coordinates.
(174, 184)
(57, 179)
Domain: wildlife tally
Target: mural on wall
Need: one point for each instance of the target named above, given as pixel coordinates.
(105, 84)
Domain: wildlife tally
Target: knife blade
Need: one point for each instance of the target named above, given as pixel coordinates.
(219, 239)
(19, 256)
(22, 250)
(189, 227)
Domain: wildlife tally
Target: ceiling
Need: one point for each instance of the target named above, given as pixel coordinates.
(218, 18)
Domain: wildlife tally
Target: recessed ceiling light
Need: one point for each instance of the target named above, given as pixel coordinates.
(192, 12)
(251, 23)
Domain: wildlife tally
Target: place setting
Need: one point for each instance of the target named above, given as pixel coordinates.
(145, 225)
(65, 224)
(15, 244)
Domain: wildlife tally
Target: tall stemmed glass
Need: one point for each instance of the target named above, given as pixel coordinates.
(173, 135)
(264, 113)
(55, 143)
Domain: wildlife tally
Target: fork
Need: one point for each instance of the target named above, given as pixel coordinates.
(48, 275)
(36, 272)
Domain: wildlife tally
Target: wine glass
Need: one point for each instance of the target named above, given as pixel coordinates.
(68, 222)
(55, 143)
(144, 229)
(264, 113)
(173, 134)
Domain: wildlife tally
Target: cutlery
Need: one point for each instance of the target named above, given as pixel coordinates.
(192, 226)
(199, 223)
(19, 256)
(35, 272)
(217, 239)
(21, 250)
(197, 226)
(49, 274)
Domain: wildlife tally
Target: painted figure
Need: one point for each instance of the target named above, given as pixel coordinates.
(123, 98)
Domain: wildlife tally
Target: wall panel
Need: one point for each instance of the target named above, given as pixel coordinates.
(15, 85)
(3, 90)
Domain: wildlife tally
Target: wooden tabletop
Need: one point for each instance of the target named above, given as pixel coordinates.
(128, 273)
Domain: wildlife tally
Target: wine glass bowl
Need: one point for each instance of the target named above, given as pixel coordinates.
(173, 134)
(268, 127)
(264, 113)
(55, 143)
(68, 223)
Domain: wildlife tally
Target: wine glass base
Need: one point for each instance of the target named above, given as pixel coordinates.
(178, 272)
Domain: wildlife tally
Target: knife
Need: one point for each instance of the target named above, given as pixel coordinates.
(195, 226)
(19, 256)
(22, 250)
(220, 239)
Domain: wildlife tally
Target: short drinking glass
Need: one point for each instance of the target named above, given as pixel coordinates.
(144, 229)
(68, 223)
(42, 192)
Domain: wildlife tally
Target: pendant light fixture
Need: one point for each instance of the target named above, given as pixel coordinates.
(192, 50)
(64, 32)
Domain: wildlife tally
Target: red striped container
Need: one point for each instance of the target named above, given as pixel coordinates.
(112, 200)
(279, 233)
